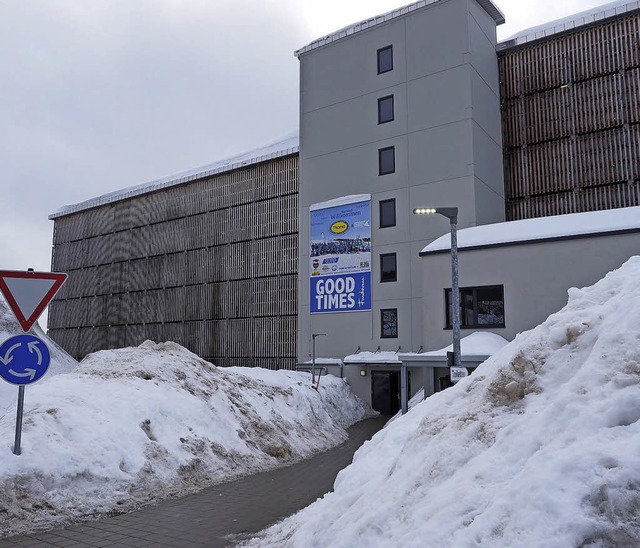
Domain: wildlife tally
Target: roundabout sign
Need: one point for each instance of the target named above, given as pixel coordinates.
(24, 359)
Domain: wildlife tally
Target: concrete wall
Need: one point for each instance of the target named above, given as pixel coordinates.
(447, 138)
(535, 277)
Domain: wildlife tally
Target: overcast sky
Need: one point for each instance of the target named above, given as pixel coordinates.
(97, 95)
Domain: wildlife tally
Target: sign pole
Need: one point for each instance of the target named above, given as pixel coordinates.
(25, 358)
(16, 446)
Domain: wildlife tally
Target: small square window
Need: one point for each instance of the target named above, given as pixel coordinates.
(387, 213)
(385, 109)
(385, 59)
(386, 160)
(388, 267)
(389, 323)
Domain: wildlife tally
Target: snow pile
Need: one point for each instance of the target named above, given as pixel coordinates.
(136, 425)
(539, 447)
(478, 343)
(61, 362)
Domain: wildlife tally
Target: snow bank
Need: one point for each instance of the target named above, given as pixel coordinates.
(61, 362)
(539, 447)
(136, 425)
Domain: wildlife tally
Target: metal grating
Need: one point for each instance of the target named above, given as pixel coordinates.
(208, 264)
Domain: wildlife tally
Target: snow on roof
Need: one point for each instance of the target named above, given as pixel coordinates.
(543, 228)
(476, 344)
(385, 357)
(479, 343)
(593, 15)
(487, 5)
(324, 361)
(284, 147)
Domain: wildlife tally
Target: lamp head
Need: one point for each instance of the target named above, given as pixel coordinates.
(449, 212)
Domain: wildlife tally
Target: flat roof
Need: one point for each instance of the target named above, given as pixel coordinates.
(366, 24)
(557, 26)
(556, 227)
(477, 344)
(285, 147)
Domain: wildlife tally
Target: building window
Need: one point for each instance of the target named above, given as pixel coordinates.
(385, 109)
(386, 160)
(388, 267)
(389, 323)
(479, 306)
(385, 59)
(387, 213)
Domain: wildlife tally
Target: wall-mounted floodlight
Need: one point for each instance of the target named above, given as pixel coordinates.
(452, 214)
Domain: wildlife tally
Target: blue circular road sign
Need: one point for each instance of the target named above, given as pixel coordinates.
(23, 359)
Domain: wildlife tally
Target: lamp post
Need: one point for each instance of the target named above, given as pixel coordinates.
(313, 357)
(452, 214)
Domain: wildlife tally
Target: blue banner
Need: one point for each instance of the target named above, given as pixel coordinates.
(340, 256)
(341, 293)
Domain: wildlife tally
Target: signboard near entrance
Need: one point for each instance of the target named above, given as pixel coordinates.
(458, 373)
(340, 255)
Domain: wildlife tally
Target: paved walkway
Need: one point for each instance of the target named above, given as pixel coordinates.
(217, 515)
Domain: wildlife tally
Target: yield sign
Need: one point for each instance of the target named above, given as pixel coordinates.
(28, 293)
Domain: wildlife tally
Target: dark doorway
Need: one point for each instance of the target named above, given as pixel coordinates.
(444, 382)
(385, 392)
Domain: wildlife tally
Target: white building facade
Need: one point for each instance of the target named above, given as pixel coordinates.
(399, 111)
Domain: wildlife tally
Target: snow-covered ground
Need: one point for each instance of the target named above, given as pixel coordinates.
(539, 447)
(129, 427)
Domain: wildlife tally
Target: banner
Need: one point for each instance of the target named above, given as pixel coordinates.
(340, 255)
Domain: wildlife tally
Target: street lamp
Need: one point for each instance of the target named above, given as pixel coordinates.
(452, 214)
(313, 357)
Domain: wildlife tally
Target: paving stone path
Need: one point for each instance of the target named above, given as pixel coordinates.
(219, 515)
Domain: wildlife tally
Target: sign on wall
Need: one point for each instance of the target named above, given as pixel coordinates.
(340, 255)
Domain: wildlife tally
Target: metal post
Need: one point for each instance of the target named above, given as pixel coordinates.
(16, 446)
(313, 357)
(313, 361)
(455, 291)
(450, 213)
(404, 392)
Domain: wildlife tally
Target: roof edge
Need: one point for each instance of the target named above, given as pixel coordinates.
(576, 21)
(159, 184)
(365, 24)
(602, 233)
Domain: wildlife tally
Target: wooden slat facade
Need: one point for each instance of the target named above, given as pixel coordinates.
(210, 264)
(571, 120)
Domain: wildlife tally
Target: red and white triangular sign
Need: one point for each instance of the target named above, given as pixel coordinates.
(29, 293)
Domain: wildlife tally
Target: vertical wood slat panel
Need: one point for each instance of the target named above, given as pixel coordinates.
(161, 266)
(586, 91)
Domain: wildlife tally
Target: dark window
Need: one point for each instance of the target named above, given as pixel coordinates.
(385, 59)
(387, 213)
(389, 323)
(479, 306)
(388, 267)
(385, 109)
(386, 160)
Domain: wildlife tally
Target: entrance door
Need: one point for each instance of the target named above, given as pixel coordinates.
(385, 392)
